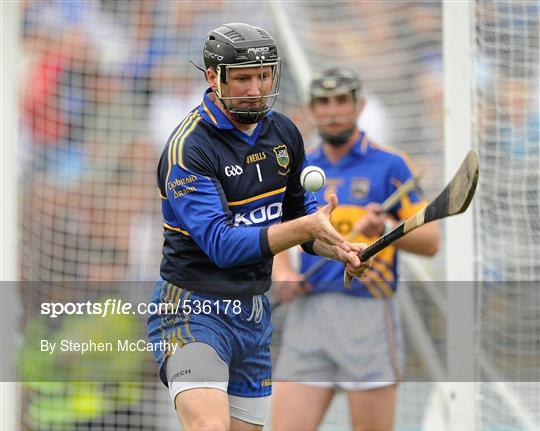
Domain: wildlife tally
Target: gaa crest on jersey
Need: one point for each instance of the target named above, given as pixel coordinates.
(359, 188)
(282, 156)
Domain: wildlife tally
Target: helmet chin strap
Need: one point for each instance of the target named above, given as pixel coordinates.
(337, 140)
(244, 116)
(248, 116)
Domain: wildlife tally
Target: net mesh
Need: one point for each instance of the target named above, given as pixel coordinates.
(103, 85)
(506, 79)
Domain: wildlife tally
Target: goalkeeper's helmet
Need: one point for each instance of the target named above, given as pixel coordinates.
(335, 81)
(239, 45)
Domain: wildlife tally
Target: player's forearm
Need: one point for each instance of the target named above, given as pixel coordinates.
(325, 250)
(283, 236)
(423, 241)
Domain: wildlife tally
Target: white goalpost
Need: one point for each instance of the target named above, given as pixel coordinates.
(459, 244)
(9, 212)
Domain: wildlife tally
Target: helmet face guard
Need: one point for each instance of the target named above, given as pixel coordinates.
(266, 101)
(235, 46)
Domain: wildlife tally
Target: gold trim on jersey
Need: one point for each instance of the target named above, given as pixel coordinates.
(380, 265)
(172, 143)
(376, 286)
(371, 287)
(178, 137)
(383, 287)
(182, 139)
(188, 331)
(176, 229)
(172, 336)
(254, 198)
(382, 276)
(178, 296)
(209, 113)
(169, 293)
(179, 334)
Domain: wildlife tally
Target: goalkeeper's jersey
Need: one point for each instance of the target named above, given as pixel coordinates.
(368, 173)
(221, 189)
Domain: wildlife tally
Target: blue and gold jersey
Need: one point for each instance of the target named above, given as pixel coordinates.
(221, 189)
(368, 173)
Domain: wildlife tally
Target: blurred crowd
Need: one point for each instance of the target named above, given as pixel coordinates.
(105, 84)
(106, 81)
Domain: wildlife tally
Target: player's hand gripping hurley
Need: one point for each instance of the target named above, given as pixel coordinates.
(454, 199)
(392, 200)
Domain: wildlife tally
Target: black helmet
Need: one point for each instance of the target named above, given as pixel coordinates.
(333, 82)
(239, 45)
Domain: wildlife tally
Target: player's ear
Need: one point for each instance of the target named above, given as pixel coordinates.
(211, 77)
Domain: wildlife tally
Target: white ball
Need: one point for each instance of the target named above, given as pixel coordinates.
(312, 178)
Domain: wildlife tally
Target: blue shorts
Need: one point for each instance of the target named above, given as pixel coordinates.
(223, 322)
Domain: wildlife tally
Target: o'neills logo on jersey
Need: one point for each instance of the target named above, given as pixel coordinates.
(259, 215)
(171, 185)
(255, 157)
(282, 156)
(359, 187)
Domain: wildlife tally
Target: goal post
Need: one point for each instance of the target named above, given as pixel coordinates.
(293, 50)
(9, 211)
(8, 122)
(459, 244)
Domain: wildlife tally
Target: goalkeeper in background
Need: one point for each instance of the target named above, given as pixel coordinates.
(346, 339)
(228, 175)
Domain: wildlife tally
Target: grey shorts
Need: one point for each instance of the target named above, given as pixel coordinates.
(336, 340)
